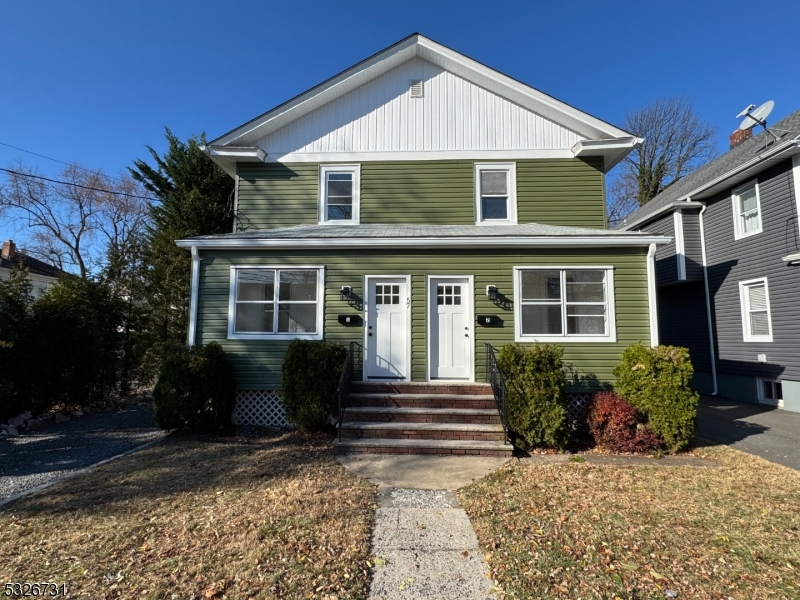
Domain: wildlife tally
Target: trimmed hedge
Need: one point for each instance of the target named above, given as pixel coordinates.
(196, 390)
(656, 381)
(537, 401)
(616, 425)
(311, 372)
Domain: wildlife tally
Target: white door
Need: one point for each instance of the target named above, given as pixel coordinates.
(388, 328)
(450, 339)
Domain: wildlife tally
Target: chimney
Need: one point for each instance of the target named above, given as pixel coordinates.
(739, 136)
(9, 250)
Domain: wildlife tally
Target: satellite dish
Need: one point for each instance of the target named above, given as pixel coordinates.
(757, 116)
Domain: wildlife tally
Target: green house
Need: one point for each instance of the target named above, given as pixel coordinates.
(424, 206)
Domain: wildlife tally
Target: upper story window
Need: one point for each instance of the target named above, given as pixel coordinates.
(276, 303)
(756, 317)
(564, 304)
(746, 210)
(339, 199)
(495, 194)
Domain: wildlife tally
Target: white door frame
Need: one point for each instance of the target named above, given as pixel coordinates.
(470, 307)
(365, 358)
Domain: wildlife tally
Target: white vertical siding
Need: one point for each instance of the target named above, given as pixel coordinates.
(453, 114)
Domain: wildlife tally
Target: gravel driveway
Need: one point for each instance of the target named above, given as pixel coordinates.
(56, 450)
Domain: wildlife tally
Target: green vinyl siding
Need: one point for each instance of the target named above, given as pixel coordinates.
(258, 362)
(551, 191)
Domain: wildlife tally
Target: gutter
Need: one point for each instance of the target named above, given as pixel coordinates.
(708, 302)
(652, 295)
(625, 240)
(193, 296)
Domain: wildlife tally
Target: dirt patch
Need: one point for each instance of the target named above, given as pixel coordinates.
(582, 530)
(204, 518)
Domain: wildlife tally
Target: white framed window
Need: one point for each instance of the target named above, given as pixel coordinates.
(339, 193)
(746, 210)
(495, 193)
(564, 304)
(770, 391)
(276, 303)
(756, 317)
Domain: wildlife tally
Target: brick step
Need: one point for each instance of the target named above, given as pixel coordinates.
(398, 400)
(440, 447)
(423, 415)
(421, 387)
(423, 431)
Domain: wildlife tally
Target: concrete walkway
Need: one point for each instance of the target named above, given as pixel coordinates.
(425, 548)
(768, 432)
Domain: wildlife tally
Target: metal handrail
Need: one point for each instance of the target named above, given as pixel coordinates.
(343, 391)
(494, 377)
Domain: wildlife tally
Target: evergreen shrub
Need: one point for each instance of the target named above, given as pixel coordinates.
(656, 381)
(537, 402)
(616, 425)
(196, 390)
(311, 372)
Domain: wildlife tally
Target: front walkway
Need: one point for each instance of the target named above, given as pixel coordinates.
(771, 433)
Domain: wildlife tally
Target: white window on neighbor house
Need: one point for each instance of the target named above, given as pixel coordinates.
(279, 303)
(746, 210)
(564, 304)
(770, 391)
(339, 198)
(756, 317)
(495, 194)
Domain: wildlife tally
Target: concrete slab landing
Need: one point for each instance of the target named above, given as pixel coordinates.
(421, 472)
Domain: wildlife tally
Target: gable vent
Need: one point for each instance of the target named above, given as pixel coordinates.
(416, 88)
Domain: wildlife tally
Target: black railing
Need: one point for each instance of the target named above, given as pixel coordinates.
(494, 377)
(344, 385)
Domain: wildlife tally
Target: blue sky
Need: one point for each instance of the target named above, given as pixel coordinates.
(97, 81)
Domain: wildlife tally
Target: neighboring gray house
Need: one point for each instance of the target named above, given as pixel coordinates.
(40, 274)
(729, 282)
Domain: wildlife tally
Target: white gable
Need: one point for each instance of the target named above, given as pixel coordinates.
(453, 115)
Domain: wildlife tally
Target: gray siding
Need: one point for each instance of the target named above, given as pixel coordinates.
(666, 261)
(692, 246)
(683, 321)
(731, 261)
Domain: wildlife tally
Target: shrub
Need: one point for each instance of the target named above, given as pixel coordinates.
(196, 390)
(616, 425)
(656, 381)
(311, 372)
(537, 400)
(15, 327)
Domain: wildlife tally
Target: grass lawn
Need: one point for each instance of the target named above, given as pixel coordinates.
(588, 531)
(273, 517)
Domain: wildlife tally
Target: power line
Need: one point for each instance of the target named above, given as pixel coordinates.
(85, 187)
(61, 161)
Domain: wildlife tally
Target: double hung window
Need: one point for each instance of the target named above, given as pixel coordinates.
(756, 317)
(339, 194)
(276, 302)
(746, 211)
(495, 194)
(567, 304)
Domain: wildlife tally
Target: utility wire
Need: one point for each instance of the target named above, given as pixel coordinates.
(85, 187)
(61, 161)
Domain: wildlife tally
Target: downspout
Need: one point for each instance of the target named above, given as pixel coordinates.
(708, 302)
(193, 296)
(652, 294)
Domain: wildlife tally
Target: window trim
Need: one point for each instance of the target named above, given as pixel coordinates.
(318, 335)
(738, 232)
(611, 322)
(322, 209)
(512, 193)
(744, 306)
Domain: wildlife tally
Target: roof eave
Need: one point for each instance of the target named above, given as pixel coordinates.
(228, 156)
(623, 240)
(612, 150)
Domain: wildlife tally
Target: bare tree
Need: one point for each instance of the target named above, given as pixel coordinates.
(676, 141)
(72, 220)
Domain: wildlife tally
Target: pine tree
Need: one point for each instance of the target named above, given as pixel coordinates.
(193, 196)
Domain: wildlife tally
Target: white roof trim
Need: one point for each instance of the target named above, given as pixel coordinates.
(427, 242)
(236, 153)
(613, 149)
(665, 209)
(417, 45)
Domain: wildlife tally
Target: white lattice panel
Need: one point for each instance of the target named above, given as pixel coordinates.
(259, 407)
(577, 406)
